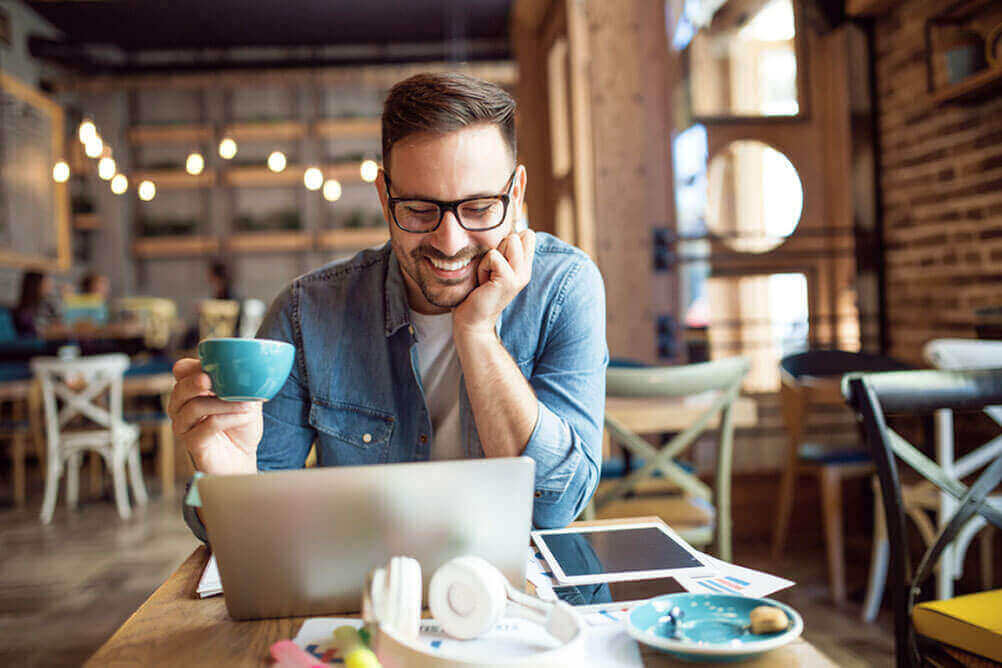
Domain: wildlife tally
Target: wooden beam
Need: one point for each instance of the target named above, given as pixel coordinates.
(869, 7)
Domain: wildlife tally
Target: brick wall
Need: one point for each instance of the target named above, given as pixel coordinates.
(941, 184)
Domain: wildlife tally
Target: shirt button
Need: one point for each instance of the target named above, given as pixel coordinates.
(366, 438)
(538, 494)
(423, 439)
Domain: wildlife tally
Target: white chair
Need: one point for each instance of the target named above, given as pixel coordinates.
(948, 354)
(251, 316)
(78, 386)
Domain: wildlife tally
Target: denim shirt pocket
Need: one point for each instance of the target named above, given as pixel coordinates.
(367, 430)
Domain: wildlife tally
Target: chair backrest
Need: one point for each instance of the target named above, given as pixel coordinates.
(912, 393)
(251, 315)
(675, 381)
(157, 315)
(823, 362)
(966, 354)
(79, 384)
(217, 318)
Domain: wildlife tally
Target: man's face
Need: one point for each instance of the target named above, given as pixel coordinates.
(440, 267)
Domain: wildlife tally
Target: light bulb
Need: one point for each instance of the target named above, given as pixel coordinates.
(195, 164)
(106, 168)
(119, 184)
(147, 191)
(276, 161)
(369, 170)
(94, 147)
(87, 130)
(61, 172)
(332, 190)
(227, 149)
(313, 178)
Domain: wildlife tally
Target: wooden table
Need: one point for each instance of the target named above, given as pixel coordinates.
(175, 627)
(86, 331)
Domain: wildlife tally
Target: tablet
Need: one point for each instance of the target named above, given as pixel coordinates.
(586, 555)
(609, 595)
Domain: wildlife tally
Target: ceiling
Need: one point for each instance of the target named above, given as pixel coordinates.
(135, 27)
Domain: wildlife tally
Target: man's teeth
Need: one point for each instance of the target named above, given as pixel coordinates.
(449, 266)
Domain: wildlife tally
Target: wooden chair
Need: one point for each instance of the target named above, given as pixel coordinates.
(720, 377)
(80, 385)
(217, 318)
(923, 501)
(920, 630)
(157, 315)
(811, 379)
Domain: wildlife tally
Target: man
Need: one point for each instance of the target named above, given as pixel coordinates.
(459, 338)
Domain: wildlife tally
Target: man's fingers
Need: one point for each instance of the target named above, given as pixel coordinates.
(201, 407)
(186, 389)
(515, 254)
(498, 269)
(186, 366)
(201, 435)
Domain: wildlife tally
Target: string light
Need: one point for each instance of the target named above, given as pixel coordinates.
(276, 161)
(61, 172)
(147, 191)
(195, 164)
(120, 184)
(332, 190)
(106, 168)
(94, 147)
(227, 149)
(369, 170)
(313, 178)
(87, 130)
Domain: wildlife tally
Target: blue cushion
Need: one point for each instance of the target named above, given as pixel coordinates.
(616, 467)
(14, 371)
(7, 330)
(815, 454)
(155, 365)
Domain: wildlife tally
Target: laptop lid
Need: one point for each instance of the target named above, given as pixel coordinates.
(297, 543)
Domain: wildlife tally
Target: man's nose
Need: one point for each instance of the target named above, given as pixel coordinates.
(450, 237)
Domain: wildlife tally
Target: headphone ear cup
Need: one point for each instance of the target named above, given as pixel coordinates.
(467, 596)
(402, 610)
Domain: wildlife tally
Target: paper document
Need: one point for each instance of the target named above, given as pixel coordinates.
(510, 638)
(210, 584)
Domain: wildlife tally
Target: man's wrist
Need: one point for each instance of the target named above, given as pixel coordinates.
(474, 335)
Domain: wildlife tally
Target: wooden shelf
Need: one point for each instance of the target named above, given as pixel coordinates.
(972, 88)
(351, 239)
(86, 221)
(153, 247)
(270, 242)
(170, 134)
(265, 130)
(338, 128)
(168, 179)
(345, 172)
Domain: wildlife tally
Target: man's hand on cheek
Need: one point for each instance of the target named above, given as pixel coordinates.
(501, 274)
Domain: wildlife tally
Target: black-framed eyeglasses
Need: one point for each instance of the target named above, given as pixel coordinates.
(475, 214)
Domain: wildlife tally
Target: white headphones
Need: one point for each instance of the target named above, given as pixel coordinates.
(467, 596)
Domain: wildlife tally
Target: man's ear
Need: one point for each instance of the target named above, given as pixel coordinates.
(518, 192)
(380, 184)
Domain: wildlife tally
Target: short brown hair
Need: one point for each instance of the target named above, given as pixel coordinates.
(441, 103)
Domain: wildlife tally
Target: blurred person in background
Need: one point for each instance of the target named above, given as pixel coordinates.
(38, 305)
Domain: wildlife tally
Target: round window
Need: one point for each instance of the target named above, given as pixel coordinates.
(755, 196)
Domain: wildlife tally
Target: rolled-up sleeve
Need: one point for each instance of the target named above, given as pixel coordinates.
(569, 382)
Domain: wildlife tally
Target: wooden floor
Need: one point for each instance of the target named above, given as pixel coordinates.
(66, 587)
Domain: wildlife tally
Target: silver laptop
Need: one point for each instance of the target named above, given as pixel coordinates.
(297, 543)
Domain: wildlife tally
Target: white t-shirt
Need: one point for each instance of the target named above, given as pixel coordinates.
(438, 364)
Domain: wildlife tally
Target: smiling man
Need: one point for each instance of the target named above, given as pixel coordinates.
(462, 337)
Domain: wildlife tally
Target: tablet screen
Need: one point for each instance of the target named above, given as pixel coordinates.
(620, 551)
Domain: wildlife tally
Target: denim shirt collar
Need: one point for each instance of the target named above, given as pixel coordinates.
(395, 308)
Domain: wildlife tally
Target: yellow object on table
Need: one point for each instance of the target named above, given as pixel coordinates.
(972, 622)
(353, 651)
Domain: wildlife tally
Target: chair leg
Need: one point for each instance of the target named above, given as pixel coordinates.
(118, 479)
(136, 475)
(786, 491)
(73, 480)
(881, 556)
(831, 511)
(985, 544)
(52, 474)
(20, 478)
(95, 474)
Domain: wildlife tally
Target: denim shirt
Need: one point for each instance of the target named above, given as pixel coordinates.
(355, 390)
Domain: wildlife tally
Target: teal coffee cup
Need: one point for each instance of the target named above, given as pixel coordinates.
(246, 369)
